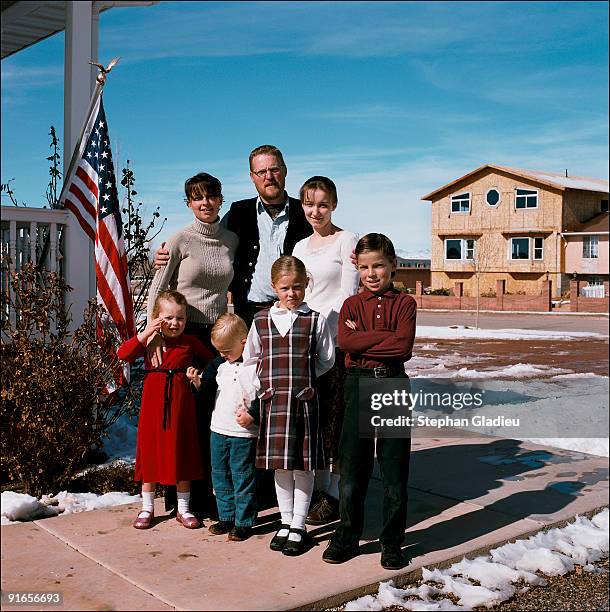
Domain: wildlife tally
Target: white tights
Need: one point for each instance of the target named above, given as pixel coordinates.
(294, 489)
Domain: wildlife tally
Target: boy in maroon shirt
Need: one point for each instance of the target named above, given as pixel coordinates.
(376, 331)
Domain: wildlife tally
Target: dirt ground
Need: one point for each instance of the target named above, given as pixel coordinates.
(584, 355)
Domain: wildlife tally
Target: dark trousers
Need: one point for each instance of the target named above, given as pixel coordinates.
(249, 309)
(356, 460)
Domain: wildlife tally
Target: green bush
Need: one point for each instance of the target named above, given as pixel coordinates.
(52, 380)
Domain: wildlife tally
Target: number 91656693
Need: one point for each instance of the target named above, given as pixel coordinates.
(16, 598)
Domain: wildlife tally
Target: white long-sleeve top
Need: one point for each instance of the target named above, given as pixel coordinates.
(333, 276)
(283, 320)
(235, 392)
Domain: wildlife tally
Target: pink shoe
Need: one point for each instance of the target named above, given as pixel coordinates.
(144, 520)
(190, 522)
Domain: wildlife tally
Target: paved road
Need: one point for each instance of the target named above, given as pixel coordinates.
(551, 321)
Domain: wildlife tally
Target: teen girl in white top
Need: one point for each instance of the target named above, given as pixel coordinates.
(327, 257)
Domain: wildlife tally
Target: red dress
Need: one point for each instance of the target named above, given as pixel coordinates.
(168, 445)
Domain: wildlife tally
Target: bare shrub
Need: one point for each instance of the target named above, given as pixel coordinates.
(51, 413)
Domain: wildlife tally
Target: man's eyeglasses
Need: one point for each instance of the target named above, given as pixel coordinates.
(275, 170)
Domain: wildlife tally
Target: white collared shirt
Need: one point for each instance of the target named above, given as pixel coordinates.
(235, 392)
(271, 233)
(283, 320)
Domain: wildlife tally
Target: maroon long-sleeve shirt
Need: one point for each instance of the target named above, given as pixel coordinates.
(386, 328)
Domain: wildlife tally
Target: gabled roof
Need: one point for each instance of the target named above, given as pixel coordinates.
(595, 225)
(551, 179)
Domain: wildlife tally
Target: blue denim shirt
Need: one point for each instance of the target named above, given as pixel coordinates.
(272, 233)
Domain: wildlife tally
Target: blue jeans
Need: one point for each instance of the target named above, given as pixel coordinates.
(234, 478)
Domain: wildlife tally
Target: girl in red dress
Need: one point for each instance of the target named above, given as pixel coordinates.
(168, 447)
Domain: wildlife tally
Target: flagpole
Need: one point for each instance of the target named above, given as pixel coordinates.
(100, 81)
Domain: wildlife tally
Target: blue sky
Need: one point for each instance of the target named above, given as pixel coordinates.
(391, 100)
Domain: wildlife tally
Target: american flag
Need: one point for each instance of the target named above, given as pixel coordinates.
(90, 192)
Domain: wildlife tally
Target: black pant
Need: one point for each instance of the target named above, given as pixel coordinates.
(356, 459)
(249, 309)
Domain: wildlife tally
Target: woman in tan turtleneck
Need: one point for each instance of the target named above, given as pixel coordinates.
(200, 262)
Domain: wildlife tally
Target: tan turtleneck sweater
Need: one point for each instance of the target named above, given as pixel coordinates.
(200, 266)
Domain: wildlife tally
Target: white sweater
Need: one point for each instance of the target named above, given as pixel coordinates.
(334, 276)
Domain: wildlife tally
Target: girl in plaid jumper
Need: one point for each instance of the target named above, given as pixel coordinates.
(290, 346)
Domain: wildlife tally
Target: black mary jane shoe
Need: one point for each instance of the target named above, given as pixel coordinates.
(294, 548)
(278, 542)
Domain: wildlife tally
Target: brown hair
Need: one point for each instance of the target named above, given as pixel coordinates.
(202, 184)
(267, 150)
(169, 296)
(319, 182)
(228, 326)
(376, 242)
(287, 265)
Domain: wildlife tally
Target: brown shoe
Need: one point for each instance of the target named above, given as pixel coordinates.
(325, 511)
(221, 527)
(190, 522)
(239, 534)
(144, 520)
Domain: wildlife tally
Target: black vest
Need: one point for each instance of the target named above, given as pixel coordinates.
(242, 219)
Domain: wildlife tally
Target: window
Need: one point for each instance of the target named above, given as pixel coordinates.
(453, 249)
(492, 197)
(526, 198)
(527, 248)
(520, 248)
(590, 247)
(469, 249)
(604, 206)
(460, 203)
(459, 248)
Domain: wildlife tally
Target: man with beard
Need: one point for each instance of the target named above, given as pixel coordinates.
(268, 226)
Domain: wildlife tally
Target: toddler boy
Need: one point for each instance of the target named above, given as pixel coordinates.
(227, 388)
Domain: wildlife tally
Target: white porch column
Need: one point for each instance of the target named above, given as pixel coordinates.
(78, 87)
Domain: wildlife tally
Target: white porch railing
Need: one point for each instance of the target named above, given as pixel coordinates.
(593, 291)
(47, 237)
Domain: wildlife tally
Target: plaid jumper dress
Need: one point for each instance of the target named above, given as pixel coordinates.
(289, 436)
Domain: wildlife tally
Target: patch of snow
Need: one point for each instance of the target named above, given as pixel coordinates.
(591, 446)
(517, 370)
(463, 332)
(21, 507)
(71, 503)
(121, 440)
(554, 552)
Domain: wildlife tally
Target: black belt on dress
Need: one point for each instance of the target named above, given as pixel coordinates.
(379, 371)
(167, 392)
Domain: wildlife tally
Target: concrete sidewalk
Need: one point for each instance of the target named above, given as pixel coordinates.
(467, 495)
